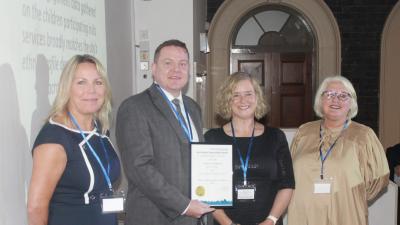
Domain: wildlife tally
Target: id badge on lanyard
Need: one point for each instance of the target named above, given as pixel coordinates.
(113, 203)
(245, 192)
(323, 186)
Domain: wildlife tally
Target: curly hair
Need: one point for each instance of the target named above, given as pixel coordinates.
(225, 94)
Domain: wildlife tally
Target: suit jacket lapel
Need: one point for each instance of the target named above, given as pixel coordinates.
(166, 111)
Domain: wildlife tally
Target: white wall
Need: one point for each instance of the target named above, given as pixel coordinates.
(384, 210)
(120, 50)
(28, 88)
(121, 58)
(35, 43)
(157, 21)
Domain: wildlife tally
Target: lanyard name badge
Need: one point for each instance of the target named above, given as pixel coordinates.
(323, 184)
(186, 129)
(111, 202)
(245, 191)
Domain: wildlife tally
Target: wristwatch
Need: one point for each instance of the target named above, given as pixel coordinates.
(273, 218)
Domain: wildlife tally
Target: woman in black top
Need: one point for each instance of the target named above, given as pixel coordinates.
(263, 173)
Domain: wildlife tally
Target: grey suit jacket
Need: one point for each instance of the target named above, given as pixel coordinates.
(155, 156)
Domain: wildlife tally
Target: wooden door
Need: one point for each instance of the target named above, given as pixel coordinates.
(287, 84)
(289, 89)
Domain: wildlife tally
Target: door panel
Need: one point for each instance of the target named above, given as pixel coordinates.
(292, 89)
(291, 110)
(287, 86)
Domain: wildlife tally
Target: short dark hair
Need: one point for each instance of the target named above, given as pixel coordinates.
(172, 42)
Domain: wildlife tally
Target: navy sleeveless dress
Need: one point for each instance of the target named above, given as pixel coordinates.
(75, 200)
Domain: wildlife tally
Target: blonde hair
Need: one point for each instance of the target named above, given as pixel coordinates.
(225, 94)
(60, 104)
(347, 85)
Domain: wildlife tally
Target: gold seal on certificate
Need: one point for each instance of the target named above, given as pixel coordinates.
(211, 174)
(200, 191)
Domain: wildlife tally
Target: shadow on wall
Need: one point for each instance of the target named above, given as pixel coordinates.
(42, 110)
(15, 156)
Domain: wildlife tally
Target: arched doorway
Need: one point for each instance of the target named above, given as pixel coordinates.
(276, 45)
(389, 107)
(227, 18)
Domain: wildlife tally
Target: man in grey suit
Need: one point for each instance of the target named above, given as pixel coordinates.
(154, 132)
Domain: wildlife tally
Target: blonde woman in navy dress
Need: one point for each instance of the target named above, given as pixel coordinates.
(74, 162)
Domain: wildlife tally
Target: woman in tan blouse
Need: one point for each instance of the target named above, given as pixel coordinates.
(339, 164)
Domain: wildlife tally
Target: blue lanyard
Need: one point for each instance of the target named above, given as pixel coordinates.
(243, 165)
(187, 130)
(105, 173)
(321, 155)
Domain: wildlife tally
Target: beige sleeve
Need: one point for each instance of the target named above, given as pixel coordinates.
(295, 143)
(376, 169)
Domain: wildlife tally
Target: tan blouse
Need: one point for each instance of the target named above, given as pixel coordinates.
(357, 166)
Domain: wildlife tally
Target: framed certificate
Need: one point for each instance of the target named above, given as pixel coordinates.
(211, 173)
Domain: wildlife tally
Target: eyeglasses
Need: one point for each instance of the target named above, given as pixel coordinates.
(341, 96)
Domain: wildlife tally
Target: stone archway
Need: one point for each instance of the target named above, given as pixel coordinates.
(389, 107)
(319, 15)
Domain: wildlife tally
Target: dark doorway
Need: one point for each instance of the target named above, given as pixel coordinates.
(275, 45)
